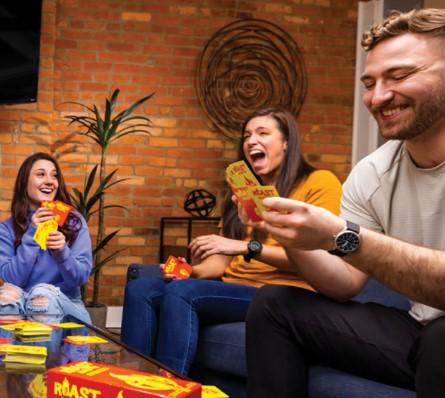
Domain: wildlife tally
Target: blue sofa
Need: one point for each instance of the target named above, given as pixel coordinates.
(221, 358)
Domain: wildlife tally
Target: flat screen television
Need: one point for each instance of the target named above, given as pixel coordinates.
(20, 22)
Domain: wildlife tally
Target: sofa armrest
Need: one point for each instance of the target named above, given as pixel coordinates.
(136, 271)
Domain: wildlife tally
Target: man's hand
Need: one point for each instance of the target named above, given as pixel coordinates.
(300, 225)
(208, 245)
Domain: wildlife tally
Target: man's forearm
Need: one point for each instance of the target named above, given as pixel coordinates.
(327, 274)
(417, 272)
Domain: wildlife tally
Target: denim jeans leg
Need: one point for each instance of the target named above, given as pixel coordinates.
(139, 320)
(47, 303)
(12, 299)
(189, 303)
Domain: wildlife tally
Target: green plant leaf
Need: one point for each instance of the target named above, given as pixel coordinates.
(90, 199)
(97, 267)
(131, 108)
(101, 245)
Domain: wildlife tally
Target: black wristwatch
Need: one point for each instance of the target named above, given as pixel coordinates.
(347, 241)
(254, 247)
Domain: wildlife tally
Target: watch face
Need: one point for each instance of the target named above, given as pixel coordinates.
(347, 241)
(255, 246)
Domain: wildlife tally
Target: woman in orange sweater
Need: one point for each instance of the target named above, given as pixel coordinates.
(231, 265)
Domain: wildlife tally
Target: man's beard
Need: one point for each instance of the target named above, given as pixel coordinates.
(426, 116)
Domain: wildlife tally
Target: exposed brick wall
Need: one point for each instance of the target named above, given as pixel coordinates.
(90, 48)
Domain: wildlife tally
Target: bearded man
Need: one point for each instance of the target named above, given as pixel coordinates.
(391, 228)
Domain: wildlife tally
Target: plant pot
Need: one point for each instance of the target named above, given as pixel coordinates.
(98, 315)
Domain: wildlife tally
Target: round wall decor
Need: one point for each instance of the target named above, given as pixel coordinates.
(247, 65)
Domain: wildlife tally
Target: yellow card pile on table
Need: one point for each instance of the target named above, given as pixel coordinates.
(24, 354)
(15, 325)
(85, 340)
(247, 189)
(33, 331)
(67, 325)
(43, 230)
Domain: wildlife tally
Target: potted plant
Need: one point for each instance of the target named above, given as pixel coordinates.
(104, 130)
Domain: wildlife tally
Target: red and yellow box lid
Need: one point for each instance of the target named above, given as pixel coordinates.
(94, 380)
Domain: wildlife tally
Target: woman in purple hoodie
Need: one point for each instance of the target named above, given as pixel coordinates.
(43, 284)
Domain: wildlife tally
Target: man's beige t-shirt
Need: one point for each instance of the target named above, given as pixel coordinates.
(386, 192)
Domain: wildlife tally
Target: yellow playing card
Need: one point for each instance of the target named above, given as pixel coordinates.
(24, 354)
(248, 191)
(16, 325)
(43, 230)
(33, 329)
(85, 340)
(212, 392)
(67, 325)
(238, 174)
(23, 349)
(261, 192)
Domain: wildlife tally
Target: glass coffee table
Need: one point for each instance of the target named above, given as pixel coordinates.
(19, 380)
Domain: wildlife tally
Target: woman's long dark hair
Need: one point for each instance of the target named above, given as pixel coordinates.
(292, 169)
(21, 202)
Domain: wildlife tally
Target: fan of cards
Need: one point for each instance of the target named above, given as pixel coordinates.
(61, 211)
(247, 189)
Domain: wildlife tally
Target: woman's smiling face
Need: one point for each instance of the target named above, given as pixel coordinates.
(264, 146)
(42, 183)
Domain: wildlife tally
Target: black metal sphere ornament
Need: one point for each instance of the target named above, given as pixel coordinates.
(199, 202)
(248, 65)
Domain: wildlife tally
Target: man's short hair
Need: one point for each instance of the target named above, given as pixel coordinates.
(429, 21)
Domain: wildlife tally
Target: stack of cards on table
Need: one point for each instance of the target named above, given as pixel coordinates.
(176, 267)
(247, 189)
(25, 354)
(91, 379)
(61, 211)
(33, 331)
(83, 340)
(29, 331)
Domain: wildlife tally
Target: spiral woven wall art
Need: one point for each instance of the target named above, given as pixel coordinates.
(247, 65)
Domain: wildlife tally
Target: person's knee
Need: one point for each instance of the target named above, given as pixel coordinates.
(275, 302)
(144, 288)
(266, 300)
(42, 300)
(186, 289)
(10, 294)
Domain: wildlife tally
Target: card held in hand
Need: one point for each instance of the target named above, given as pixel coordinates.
(43, 230)
(248, 191)
(174, 266)
(238, 174)
(59, 208)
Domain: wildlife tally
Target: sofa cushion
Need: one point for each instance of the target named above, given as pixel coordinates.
(222, 347)
(331, 383)
(376, 292)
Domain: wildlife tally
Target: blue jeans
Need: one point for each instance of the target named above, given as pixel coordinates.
(163, 318)
(44, 302)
